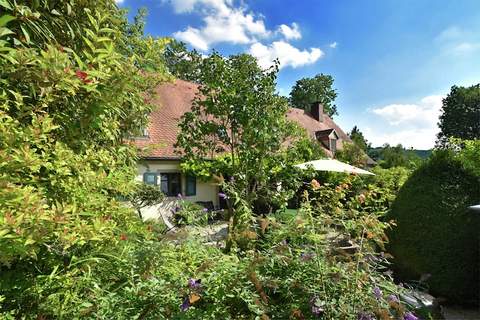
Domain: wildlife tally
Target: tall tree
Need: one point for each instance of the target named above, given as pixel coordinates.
(357, 137)
(460, 116)
(183, 63)
(306, 91)
(239, 121)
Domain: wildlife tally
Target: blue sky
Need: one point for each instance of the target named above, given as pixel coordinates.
(392, 61)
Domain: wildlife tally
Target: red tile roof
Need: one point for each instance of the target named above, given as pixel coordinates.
(306, 120)
(174, 99)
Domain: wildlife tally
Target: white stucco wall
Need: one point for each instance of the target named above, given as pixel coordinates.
(206, 191)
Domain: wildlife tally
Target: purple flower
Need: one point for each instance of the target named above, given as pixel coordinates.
(364, 316)
(205, 209)
(393, 298)
(222, 195)
(378, 293)
(410, 316)
(194, 284)
(316, 306)
(306, 256)
(179, 196)
(185, 304)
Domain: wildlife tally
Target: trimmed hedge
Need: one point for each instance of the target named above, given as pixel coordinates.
(435, 233)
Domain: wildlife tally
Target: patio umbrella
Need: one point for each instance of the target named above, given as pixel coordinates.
(333, 166)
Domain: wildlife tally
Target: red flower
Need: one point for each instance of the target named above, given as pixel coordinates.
(82, 75)
(123, 237)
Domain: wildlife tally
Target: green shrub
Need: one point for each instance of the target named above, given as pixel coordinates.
(435, 233)
(189, 213)
(145, 195)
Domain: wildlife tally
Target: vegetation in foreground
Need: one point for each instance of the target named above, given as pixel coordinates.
(435, 199)
(75, 84)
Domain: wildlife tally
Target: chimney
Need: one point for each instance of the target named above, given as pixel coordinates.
(316, 111)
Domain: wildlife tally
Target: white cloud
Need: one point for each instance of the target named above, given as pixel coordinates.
(187, 6)
(419, 138)
(465, 48)
(287, 54)
(194, 37)
(222, 22)
(412, 125)
(333, 45)
(426, 112)
(458, 41)
(292, 32)
(119, 1)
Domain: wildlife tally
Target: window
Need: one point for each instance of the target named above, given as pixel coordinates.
(191, 186)
(150, 178)
(170, 184)
(333, 145)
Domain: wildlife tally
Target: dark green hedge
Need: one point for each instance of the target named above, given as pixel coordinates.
(435, 233)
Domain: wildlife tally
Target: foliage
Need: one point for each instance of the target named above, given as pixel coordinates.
(395, 156)
(460, 116)
(304, 149)
(182, 63)
(468, 153)
(307, 91)
(352, 154)
(297, 268)
(189, 213)
(357, 137)
(237, 116)
(145, 195)
(69, 96)
(436, 235)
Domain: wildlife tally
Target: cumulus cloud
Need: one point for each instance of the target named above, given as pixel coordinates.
(413, 125)
(426, 112)
(222, 22)
(287, 54)
(292, 32)
(333, 45)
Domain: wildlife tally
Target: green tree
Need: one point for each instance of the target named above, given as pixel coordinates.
(397, 156)
(352, 154)
(183, 63)
(357, 137)
(460, 116)
(238, 115)
(70, 94)
(306, 91)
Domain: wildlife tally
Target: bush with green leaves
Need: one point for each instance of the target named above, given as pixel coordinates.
(145, 195)
(435, 233)
(70, 95)
(189, 213)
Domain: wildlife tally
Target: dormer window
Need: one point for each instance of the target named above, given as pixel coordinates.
(328, 138)
(333, 145)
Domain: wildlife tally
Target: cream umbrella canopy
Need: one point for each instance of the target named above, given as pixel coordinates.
(332, 166)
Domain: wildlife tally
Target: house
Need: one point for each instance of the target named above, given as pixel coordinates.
(161, 165)
(320, 127)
